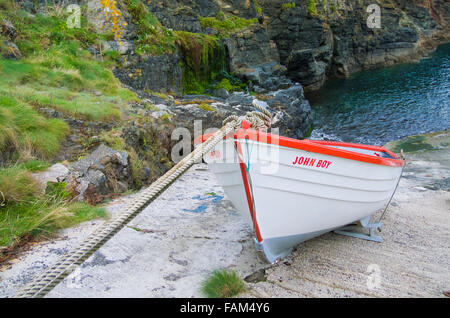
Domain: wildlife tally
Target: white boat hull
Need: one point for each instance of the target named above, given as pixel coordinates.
(289, 198)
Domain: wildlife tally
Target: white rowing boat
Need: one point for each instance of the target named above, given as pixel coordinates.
(292, 190)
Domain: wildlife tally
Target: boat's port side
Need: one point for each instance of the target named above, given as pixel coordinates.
(295, 194)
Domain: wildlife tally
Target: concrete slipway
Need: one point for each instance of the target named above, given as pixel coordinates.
(192, 229)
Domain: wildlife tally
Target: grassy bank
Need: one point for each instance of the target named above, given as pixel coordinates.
(27, 213)
(56, 71)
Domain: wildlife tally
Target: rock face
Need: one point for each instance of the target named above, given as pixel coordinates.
(250, 47)
(104, 171)
(332, 38)
(154, 73)
(183, 15)
(313, 39)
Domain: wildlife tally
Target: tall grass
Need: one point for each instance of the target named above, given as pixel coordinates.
(222, 284)
(26, 212)
(25, 131)
(56, 71)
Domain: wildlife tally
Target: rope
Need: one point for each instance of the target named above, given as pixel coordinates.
(67, 263)
(402, 156)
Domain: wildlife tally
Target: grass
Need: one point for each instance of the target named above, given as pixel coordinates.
(152, 37)
(222, 284)
(17, 185)
(231, 86)
(206, 107)
(289, 5)
(26, 212)
(203, 58)
(41, 218)
(311, 7)
(58, 72)
(225, 26)
(24, 132)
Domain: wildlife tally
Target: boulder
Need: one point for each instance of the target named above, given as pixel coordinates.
(103, 172)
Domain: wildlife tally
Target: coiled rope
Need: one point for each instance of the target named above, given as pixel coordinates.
(67, 263)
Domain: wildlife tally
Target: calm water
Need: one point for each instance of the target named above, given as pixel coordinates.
(387, 104)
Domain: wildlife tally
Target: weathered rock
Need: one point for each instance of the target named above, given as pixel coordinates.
(8, 30)
(266, 77)
(155, 73)
(291, 111)
(336, 41)
(183, 14)
(10, 51)
(123, 47)
(103, 172)
(250, 47)
(221, 93)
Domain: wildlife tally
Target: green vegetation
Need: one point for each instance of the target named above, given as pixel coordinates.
(411, 144)
(226, 25)
(58, 72)
(312, 7)
(203, 55)
(26, 213)
(258, 8)
(152, 37)
(234, 85)
(289, 5)
(25, 133)
(222, 284)
(206, 107)
(204, 58)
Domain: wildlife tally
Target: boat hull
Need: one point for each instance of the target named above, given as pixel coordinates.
(290, 195)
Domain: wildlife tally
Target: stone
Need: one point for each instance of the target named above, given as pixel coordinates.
(10, 51)
(154, 73)
(123, 47)
(250, 47)
(221, 93)
(8, 30)
(103, 172)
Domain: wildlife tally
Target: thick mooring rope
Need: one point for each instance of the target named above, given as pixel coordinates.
(67, 263)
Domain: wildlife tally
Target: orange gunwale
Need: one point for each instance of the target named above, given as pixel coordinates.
(317, 146)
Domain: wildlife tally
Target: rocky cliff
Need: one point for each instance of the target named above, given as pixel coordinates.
(313, 39)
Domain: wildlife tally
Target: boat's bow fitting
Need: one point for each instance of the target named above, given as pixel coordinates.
(350, 230)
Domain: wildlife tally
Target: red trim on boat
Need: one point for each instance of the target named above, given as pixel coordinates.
(317, 146)
(247, 190)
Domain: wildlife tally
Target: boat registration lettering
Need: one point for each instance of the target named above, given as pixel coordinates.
(311, 162)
